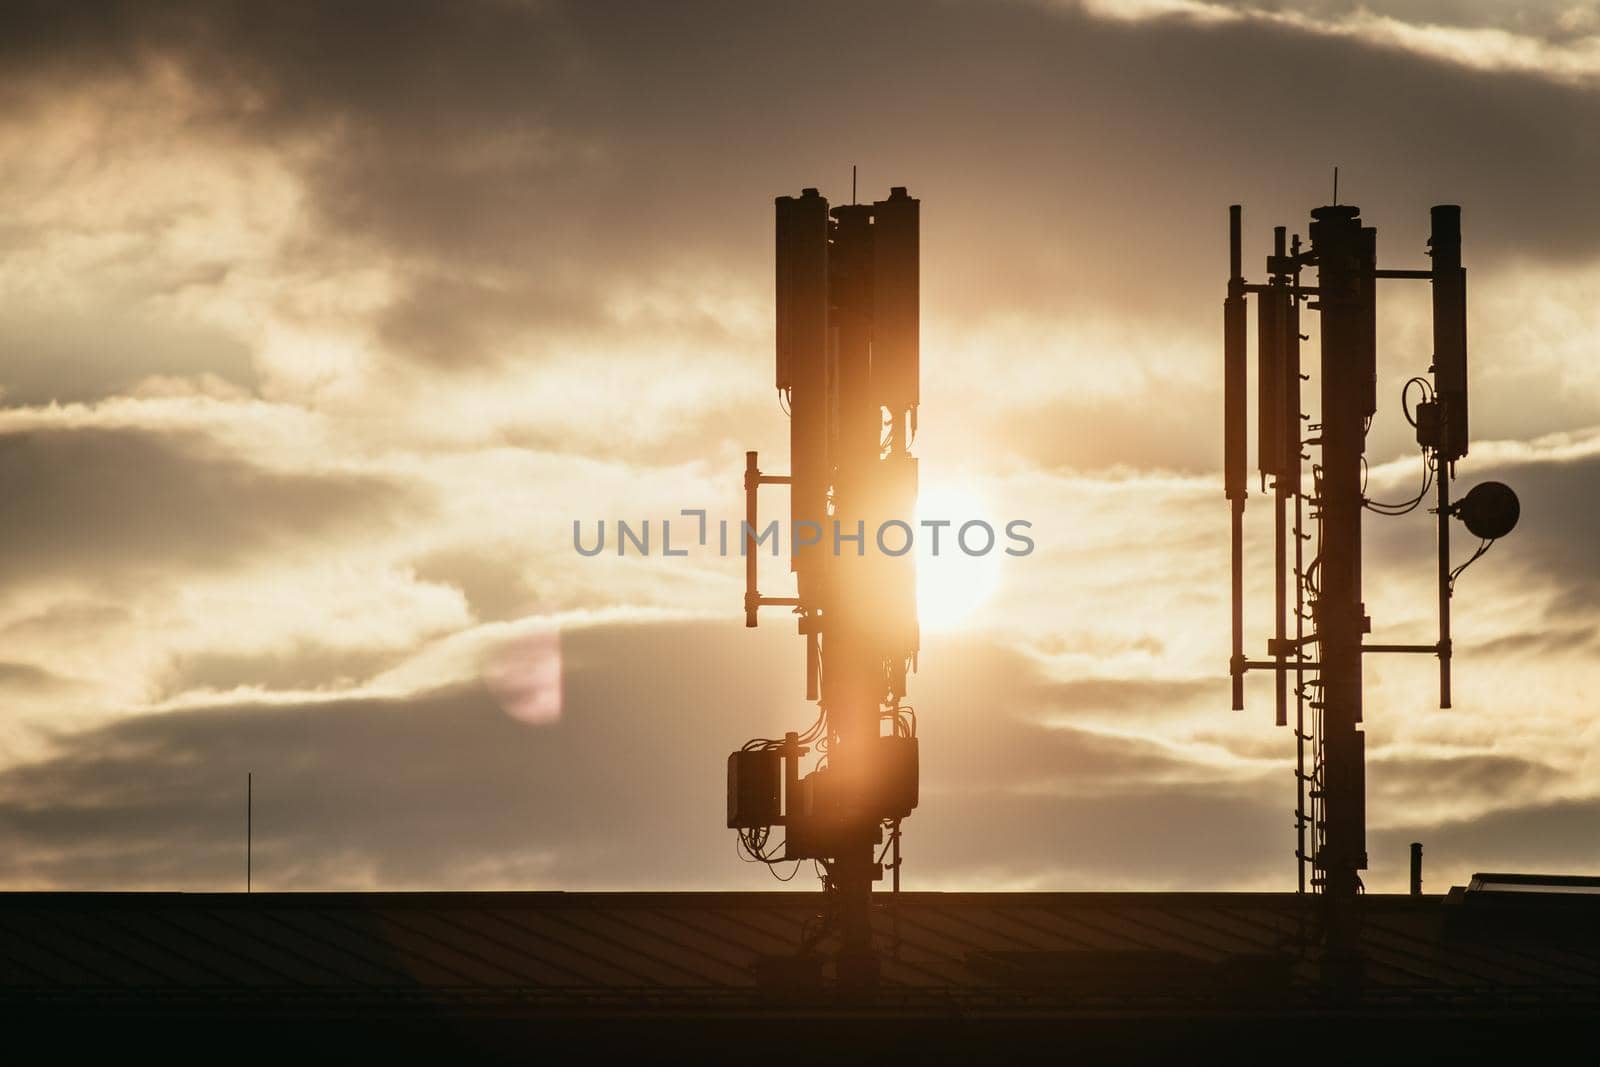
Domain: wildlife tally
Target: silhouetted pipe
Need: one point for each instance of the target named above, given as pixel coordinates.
(852, 671)
(1234, 441)
(1444, 581)
(1416, 868)
(1343, 253)
(812, 654)
(1272, 447)
(752, 482)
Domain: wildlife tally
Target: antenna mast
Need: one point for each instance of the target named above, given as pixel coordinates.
(847, 360)
(1343, 252)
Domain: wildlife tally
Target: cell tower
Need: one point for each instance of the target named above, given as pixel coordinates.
(847, 371)
(1326, 590)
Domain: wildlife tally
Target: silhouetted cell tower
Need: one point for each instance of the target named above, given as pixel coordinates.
(1327, 587)
(847, 370)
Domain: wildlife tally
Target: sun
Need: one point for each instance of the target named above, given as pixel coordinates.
(953, 585)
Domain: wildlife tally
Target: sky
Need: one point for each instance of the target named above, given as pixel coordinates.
(321, 325)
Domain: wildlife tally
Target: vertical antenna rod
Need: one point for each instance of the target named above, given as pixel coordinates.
(1444, 582)
(752, 482)
(1234, 442)
(1294, 458)
(1278, 408)
(249, 828)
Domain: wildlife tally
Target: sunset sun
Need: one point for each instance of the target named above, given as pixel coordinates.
(953, 585)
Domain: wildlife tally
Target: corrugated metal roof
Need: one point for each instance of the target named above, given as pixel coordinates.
(1066, 953)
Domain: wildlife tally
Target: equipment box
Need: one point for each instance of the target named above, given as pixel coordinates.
(755, 788)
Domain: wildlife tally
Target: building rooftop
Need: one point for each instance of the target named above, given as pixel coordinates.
(589, 962)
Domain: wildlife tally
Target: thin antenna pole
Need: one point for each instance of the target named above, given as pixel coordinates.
(1335, 186)
(852, 183)
(1233, 451)
(249, 826)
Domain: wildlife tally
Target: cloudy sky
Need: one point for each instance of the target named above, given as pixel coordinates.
(320, 325)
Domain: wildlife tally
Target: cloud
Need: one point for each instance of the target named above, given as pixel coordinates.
(492, 581)
(71, 356)
(1122, 694)
(1554, 837)
(308, 665)
(548, 139)
(444, 789)
(1180, 838)
(1555, 536)
(497, 211)
(1540, 640)
(1407, 786)
(97, 504)
(439, 789)
(1553, 40)
(30, 678)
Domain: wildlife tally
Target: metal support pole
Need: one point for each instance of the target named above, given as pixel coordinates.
(1274, 360)
(752, 484)
(1281, 599)
(851, 671)
(896, 857)
(1235, 437)
(791, 781)
(1293, 442)
(1341, 248)
(813, 657)
(1443, 478)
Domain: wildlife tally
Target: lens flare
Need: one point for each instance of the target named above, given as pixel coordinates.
(525, 678)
